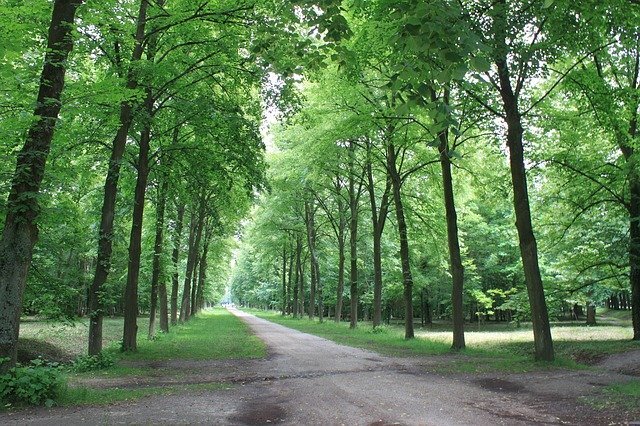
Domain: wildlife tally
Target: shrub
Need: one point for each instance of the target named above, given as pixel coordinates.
(38, 383)
(93, 362)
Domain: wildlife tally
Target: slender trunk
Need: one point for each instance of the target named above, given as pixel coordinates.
(186, 291)
(130, 332)
(194, 254)
(202, 275)
(156, 285)
(175, 257)
(289, 279)
(194, 282)
(455, 259)
(407, 278)
(311, 242)
(353, 239)
(378, 220)
(634, 250)
(105, 236)
(341, 261)
(296, 288)
(284, 279)
(20, 232)
(528, 246)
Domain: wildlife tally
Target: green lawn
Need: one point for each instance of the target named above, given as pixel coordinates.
(492, 347)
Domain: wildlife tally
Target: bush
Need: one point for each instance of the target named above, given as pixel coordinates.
(38, 383)
(93, 362)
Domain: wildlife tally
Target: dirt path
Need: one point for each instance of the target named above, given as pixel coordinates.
(309, 380)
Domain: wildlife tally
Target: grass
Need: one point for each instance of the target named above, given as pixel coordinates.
(492, 347)
(619, 397)
(85, 396)
(212, 335)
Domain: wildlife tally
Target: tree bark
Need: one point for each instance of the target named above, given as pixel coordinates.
(156, 286)
(296, 287)
(20, 232)
(202, 275)
(311, 242)
(455, 259)
(528, 246)
(407, 278)
(378, 220)
(353, 239)
(130, 332)
(105, 236)
(284, 279)
(175, 258)
(186, 291)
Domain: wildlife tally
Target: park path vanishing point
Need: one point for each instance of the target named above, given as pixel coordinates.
(307, 380)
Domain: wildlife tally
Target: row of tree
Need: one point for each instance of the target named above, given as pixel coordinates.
(536, 101)
(146, 123)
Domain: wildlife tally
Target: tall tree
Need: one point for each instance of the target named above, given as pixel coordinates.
(20, 232)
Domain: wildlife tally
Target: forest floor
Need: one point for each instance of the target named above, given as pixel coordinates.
(306, 379)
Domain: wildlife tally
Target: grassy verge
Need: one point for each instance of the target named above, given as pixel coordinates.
(85, 396)
(490, 349)
(620, 397)
(212, 335)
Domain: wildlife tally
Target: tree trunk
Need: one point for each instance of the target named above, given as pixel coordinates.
(353, 239)
(455, 259)
(528, 246)
(591, 313)
(284, 279)
(20, 232)
(296, 288)
(175, 257)
(156, 286)
(185, 309)
(311, 242)
(378, 220)
(407, 278)
(202, 275)
(341, 261)
(129, 342)
(634, 249)
(105, 236)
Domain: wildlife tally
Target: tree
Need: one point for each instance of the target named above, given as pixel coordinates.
(20, 231)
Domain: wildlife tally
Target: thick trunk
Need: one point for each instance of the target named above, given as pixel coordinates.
(175, 257)
(407, 278)
(105, 236)
(378, 220)
(591, 313)
(455, 259)
(156, 286)
(20, 231)
(528, 246)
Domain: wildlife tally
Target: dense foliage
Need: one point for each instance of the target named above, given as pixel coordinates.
(412, 136)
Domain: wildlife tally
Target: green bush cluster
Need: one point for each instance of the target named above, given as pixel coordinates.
(93, 362)
(38, 383)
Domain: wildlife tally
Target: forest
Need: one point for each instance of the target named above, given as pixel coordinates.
(465, 161)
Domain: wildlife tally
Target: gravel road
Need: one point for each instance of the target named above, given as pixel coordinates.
(307, 380)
